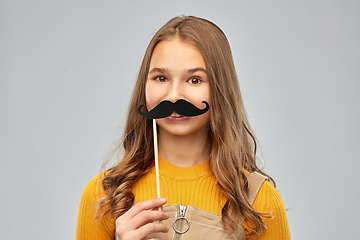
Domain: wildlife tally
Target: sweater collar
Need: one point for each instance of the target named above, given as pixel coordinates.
(170, 170)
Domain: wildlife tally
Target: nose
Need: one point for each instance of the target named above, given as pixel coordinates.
(175, 91)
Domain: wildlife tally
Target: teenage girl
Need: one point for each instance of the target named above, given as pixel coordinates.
(211, 187)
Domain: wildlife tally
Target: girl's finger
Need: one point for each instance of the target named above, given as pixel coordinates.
(146, 217)
(141, 206)
(142, 232)
(140, 220)
(150, 228)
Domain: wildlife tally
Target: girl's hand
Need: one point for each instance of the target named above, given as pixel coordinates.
(137, 223)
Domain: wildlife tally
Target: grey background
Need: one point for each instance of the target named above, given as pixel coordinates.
(67, 69)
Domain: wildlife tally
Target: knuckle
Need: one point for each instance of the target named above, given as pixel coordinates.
(139, 205)
(126, 237)
(151, 227)
(118, 221)
(120, 230)
(145, 214)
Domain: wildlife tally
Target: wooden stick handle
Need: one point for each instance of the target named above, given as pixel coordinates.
(156, 159)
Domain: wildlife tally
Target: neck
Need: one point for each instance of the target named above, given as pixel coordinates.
(184, 151)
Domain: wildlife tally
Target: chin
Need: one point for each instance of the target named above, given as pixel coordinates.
(180, 132)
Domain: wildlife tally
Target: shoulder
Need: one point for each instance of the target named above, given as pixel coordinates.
(93, 189)
(263, 195)
(88, 227)
(91, 194)
(269, 201)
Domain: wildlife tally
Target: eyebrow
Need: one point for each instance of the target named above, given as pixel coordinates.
(159, 70)
(194, 70)
(163, 70)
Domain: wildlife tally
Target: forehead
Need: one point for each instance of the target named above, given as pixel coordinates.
(175, 53)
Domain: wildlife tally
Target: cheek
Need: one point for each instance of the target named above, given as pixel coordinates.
(152, 96)
(200, 95)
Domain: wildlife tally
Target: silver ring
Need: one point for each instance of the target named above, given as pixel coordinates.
(177, 231)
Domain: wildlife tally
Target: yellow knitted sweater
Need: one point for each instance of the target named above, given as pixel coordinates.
(194, 186)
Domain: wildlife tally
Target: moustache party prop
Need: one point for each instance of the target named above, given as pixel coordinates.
(166, 108)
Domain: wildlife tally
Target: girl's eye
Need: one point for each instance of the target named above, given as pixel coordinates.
(161, 79)
(194, 81)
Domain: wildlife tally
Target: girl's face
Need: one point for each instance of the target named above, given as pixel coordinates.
(177, 71)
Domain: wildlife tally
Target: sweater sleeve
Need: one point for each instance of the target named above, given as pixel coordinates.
(87, 227)
(269, 200)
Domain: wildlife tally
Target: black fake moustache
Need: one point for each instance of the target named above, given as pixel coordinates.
(166, 108)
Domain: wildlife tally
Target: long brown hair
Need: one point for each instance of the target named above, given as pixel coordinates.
(233, 144)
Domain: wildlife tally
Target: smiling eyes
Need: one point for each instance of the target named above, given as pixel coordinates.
(192, 80)
(161, 79)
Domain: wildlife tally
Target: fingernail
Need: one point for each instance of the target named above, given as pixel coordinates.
(167, 215)
(163, 200)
